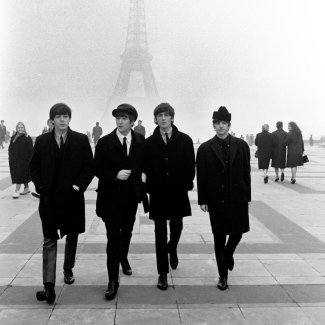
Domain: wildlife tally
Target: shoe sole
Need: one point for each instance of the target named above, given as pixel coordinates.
(162, 288)
(24, 193)
(70, 282)
(222, 288)
(40, 297)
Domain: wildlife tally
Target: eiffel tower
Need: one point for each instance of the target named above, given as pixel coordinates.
(136, 57)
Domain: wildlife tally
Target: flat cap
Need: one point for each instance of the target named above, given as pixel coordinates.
(125, 108)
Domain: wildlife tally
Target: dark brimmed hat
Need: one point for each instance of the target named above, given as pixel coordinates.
(125, 108)
(221, 114)
(164, 108)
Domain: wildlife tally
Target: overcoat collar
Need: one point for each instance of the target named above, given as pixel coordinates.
(156, 136)
(66, 144)
(116, 142)
(217, 150)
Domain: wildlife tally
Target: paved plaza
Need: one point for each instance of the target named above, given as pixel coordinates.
(279, 274)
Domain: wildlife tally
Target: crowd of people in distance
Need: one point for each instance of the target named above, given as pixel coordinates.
(285, 149)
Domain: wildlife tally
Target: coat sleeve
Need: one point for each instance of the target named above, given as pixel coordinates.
(201, 176)
(190, 165)
(30, 148)
(35, 166)
(247, 171)
(105, 173)
(88, 169)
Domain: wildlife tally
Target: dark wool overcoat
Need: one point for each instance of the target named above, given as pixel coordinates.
(61, 207)
(227, 196)
(296, 148)
(20, 154)
(109, 160)
(279, 138)
(263, 141)
(170, 170)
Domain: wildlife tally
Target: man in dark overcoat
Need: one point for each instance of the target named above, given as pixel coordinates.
(97, 133)
(279, 138)
(119, 167)
(224, 190)
(263, 141)
(61, 169)
(170, 171)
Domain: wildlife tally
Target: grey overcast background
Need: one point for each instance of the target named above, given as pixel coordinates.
(264, 60)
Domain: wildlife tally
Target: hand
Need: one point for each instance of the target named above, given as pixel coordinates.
(143, 177)
(123, 174)
(204, 208)
(76, 188)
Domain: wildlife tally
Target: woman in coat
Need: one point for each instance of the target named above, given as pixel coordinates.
(263, 141)
(20, 154)
(296, 149)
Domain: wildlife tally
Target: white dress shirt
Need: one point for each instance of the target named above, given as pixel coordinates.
(128, 139)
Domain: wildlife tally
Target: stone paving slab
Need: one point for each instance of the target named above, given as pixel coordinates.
(83, 296)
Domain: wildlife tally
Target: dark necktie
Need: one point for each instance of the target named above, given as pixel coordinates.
(125, 147)
(167, 139)
(61, 143)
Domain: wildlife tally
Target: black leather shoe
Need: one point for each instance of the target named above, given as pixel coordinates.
(230, 263)
(277, 179)
(162, 282)
(222, 283)
(282, 177)
(126, 268)
(48, 294)
(293, 181)
(266, 179)
(173, 260)
(111, 290)
(68, 277)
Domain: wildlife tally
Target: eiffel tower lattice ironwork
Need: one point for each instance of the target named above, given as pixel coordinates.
(136, 56)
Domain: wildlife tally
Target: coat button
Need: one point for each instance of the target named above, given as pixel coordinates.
(222, 186)
(166, 173)
(222, 201)
(166, 158)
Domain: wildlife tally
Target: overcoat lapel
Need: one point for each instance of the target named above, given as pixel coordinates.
(216, 149)
(233, 149)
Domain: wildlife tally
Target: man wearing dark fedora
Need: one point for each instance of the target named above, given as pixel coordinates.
(119, 167)
(61, 169)
(170, 170)
(224, 190)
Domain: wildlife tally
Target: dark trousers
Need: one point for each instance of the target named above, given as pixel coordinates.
(224, 250)
(119, 233)
(162, 244)
(50, 256)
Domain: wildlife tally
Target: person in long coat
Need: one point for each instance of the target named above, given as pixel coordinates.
(279, 138)
(97, 133)
(3, 132)
(170, 171)
(119, 167)
(62, 167)
(296, 149)
(224, 190)
(20, 153)
(263, 141)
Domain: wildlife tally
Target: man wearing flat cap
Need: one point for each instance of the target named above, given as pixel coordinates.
(170, 170)
(119, 166)
(224, 190)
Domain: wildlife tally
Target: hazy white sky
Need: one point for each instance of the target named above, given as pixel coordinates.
(264, 60)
